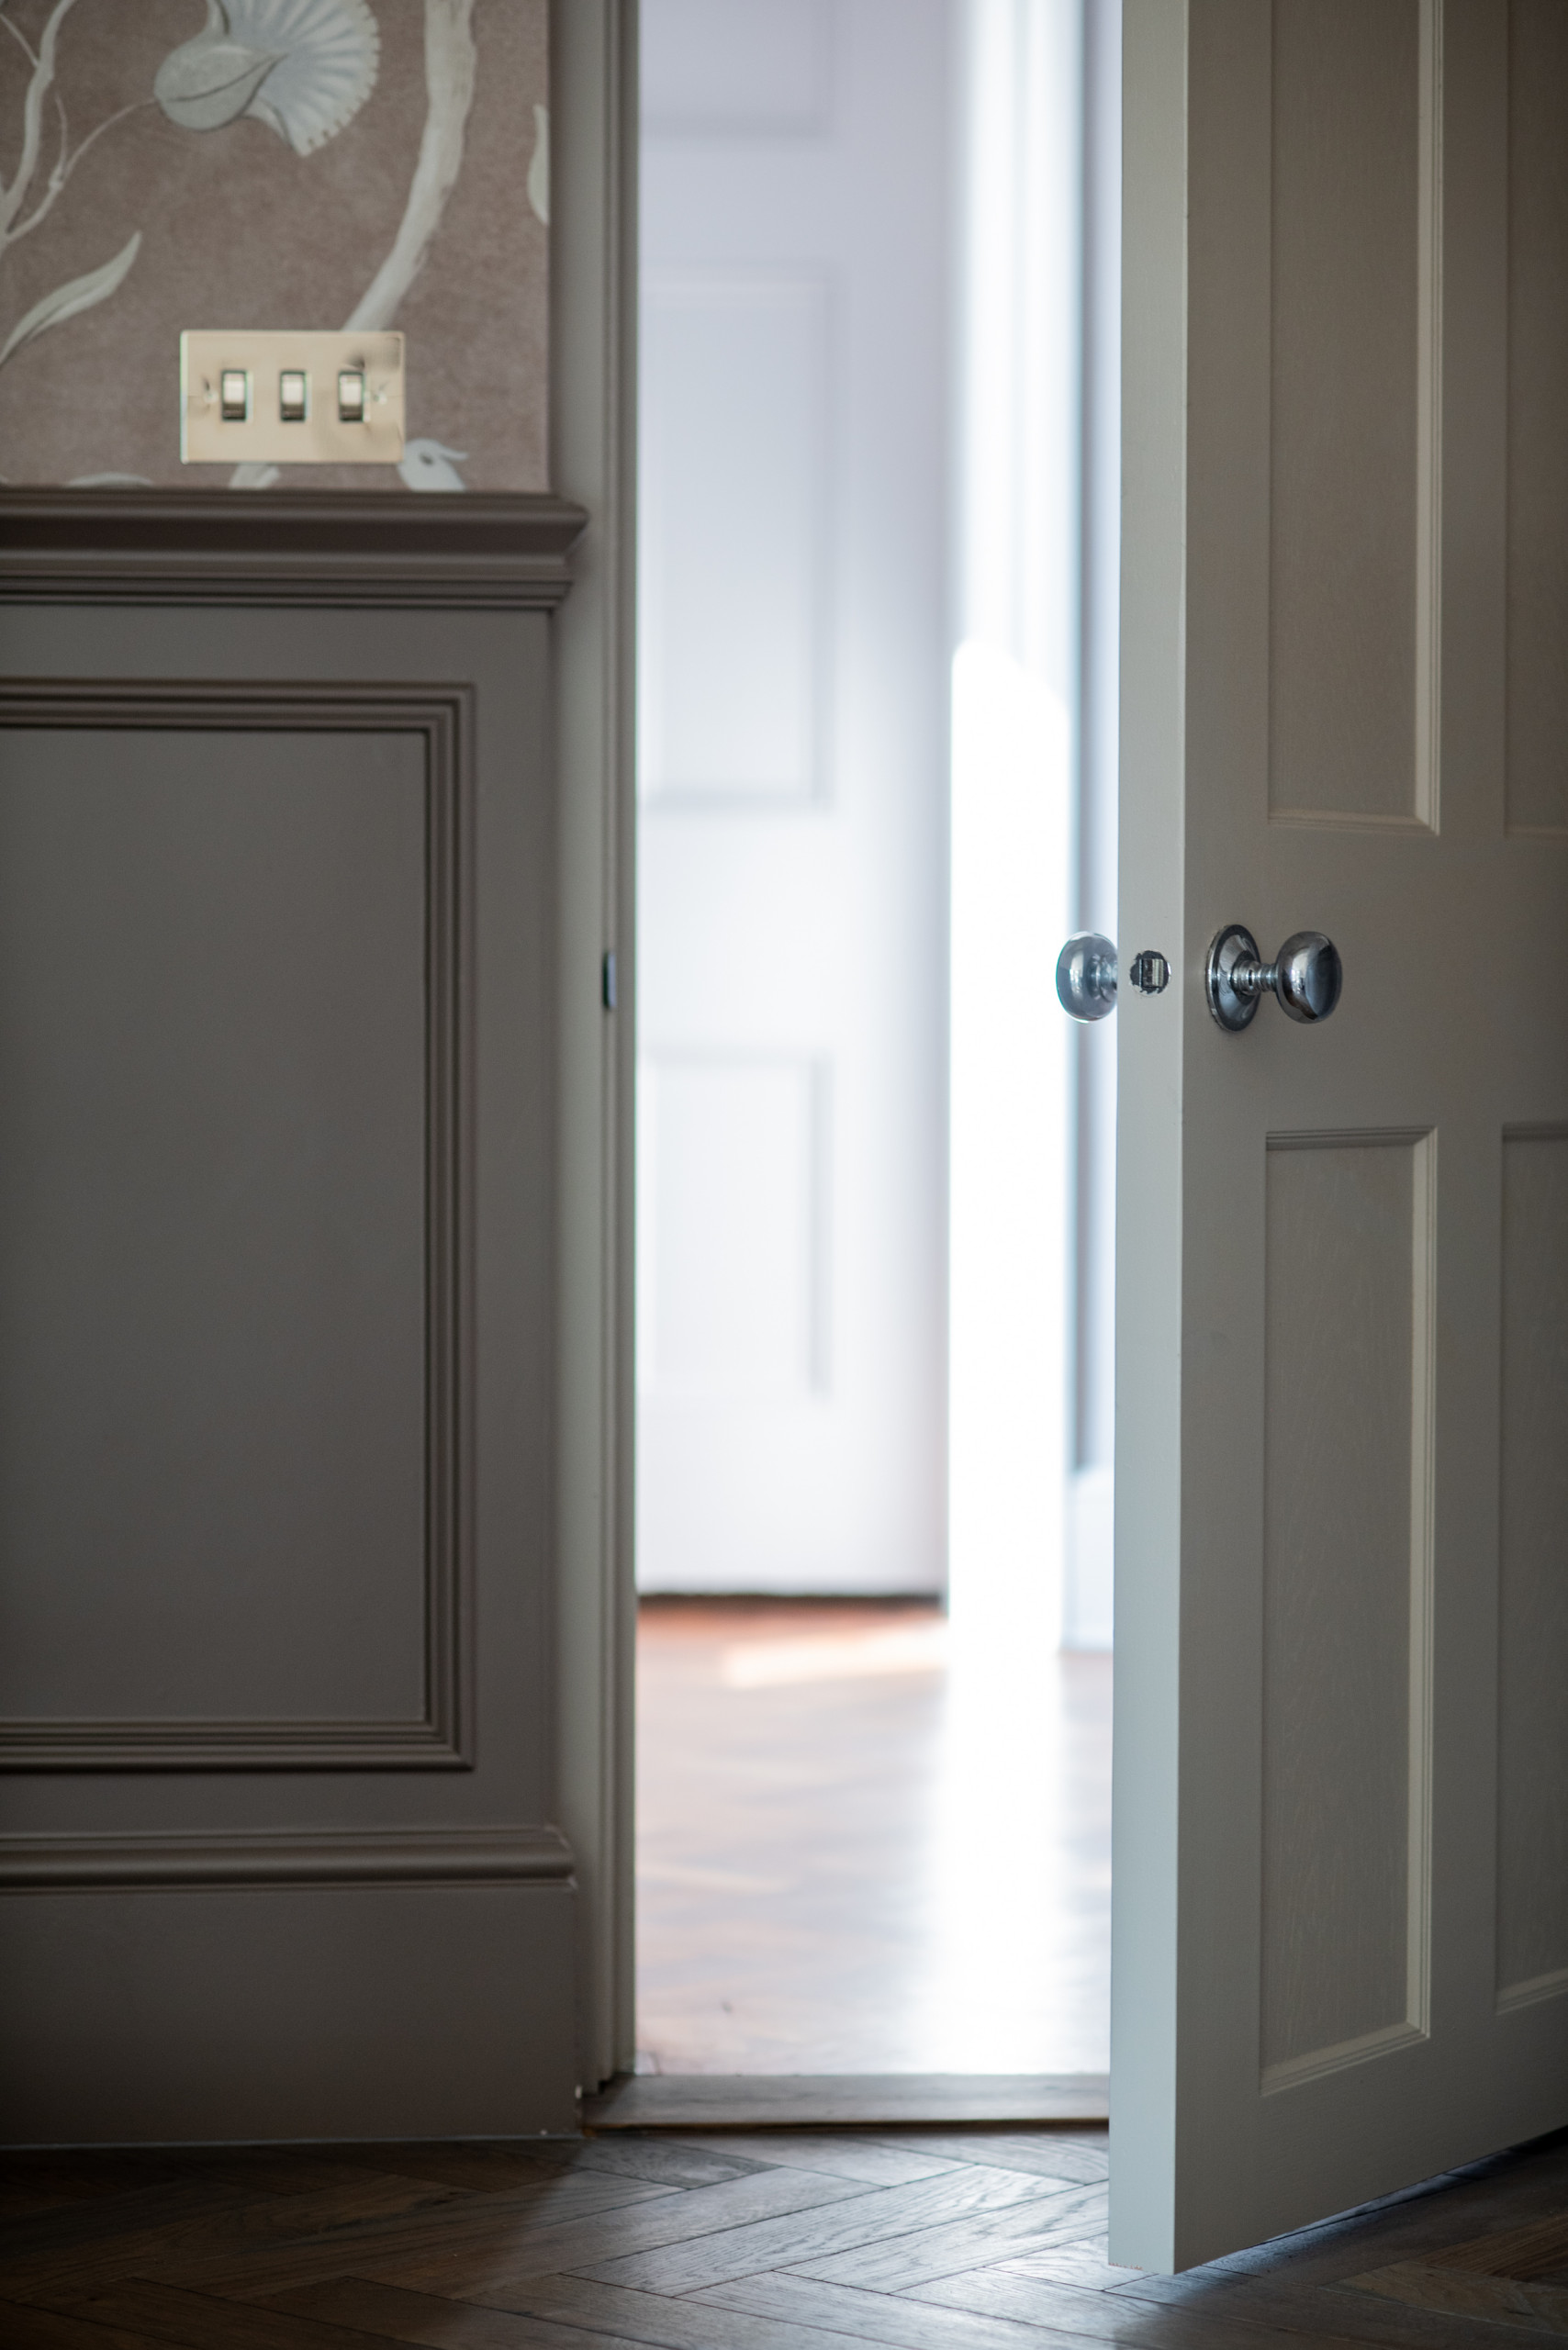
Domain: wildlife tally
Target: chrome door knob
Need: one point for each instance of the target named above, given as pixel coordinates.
(1086, 975)
(1303, 978)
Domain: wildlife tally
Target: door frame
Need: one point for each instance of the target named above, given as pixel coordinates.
(594, 277)
(593, 314)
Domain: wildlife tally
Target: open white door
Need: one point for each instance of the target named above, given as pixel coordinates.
(1341, 1924)
(793, 729)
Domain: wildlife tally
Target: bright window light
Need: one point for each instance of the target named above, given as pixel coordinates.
(1010, 1155)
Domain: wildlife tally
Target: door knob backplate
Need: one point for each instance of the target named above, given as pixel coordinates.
(1303, 978)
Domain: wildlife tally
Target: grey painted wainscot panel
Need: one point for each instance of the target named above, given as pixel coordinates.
(277, 1770)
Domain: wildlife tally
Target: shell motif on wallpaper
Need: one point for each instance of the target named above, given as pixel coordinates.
(303, 67)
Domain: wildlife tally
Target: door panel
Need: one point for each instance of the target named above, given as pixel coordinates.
(1533, 1670)
(733, 701)
(1339, 1527)
(213, 1222)
(1346, 102)
(1347, 1300)
(1538, 399)
(732, 1149)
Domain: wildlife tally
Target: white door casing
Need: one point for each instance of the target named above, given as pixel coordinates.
(792, 744)
(1341, 1906)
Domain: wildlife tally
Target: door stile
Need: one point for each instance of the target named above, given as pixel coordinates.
(1144, 1827)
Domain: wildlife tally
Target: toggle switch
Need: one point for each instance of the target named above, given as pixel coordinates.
(350, 395)
(292, 394)
(234, 395)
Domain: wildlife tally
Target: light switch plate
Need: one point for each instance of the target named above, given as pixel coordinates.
(321, 437)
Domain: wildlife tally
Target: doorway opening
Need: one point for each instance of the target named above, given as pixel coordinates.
(877, 770)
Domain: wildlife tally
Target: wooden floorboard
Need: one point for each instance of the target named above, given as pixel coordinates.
(1359, 2317)
(471, 2228)
(871, 2317)
(577, 2245)
(673, 2322)
(850, 2230)
(966, 2244)
(35, 2329)
(842, 2154)
(1100, 2318)
(171, 2314)
(392, 2313)
(1044, 2153)
(796, 1760)
(797, 2240)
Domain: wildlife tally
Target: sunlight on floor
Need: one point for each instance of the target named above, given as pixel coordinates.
(863, 1850)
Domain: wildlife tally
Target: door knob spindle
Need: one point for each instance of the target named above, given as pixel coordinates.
(1087, 975)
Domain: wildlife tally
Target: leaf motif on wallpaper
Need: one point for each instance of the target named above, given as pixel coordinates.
(303, 67)
(451, 70)
(15, 220)
(70, 300)
(451, 66)
(209, 82)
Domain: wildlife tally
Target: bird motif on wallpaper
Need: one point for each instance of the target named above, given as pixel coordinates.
(429, 464)
(303, 67)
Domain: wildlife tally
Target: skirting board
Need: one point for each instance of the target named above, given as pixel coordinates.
(844, 2101)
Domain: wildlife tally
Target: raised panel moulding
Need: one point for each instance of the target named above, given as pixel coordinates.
(712, 70)
(1348, 1600)
(1536, 785)
(1355, 426)
(733, 1305)
(384, 1856)
(498, 553)
(1532, 1626)
(733, 691)
(440, 1735)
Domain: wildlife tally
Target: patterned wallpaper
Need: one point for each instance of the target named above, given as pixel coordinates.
(304, 163)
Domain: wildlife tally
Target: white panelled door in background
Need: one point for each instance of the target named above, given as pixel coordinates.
(792, 751)
(1340, 1951)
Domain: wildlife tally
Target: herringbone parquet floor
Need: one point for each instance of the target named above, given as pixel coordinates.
(919, 2240)
(826, 1881)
